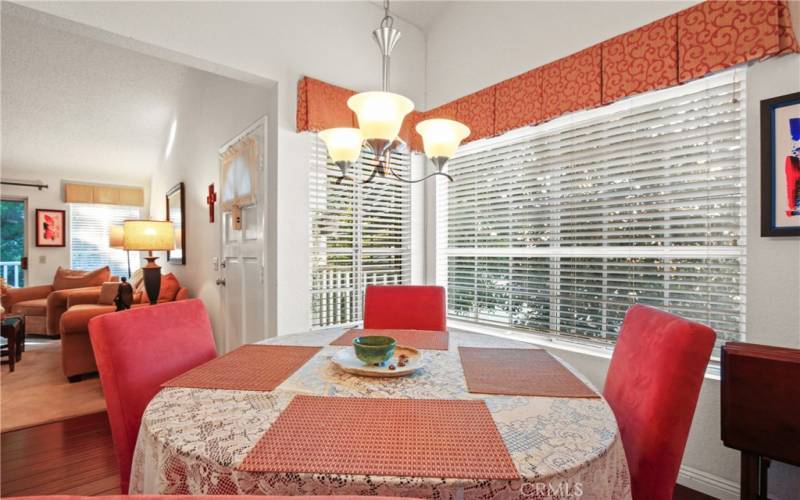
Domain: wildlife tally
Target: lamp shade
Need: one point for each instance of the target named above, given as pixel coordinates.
(344, 144)
(115, 236)
(441, 137)
(148, 235)
(380, 114)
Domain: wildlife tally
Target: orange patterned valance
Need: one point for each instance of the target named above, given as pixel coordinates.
(694, 42)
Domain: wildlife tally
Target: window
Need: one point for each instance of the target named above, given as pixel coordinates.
(88, 237)
(360, 235)
(559, 228)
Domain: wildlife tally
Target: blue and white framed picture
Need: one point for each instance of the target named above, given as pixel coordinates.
(780, 166)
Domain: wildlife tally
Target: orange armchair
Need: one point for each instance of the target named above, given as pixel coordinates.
(43, 305)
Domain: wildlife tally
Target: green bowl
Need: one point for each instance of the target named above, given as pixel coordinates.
(374, 349)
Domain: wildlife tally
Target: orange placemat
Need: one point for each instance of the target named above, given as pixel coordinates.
(384, 437)
(420, 339)
(520, 372)
(247, 368)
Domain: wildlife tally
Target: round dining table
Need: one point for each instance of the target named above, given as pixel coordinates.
(191, 440)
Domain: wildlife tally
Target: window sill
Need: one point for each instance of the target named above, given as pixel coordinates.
(545, 341)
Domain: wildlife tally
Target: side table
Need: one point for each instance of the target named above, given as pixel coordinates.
(13, 329)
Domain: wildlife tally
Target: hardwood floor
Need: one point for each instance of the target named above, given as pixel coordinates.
(71, 457)
(76, 457)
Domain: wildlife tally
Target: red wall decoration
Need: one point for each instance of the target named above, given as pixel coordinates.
(702, 39)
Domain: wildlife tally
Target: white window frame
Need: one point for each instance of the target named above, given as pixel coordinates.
(135, 261)
(350, 296)
(555, 253)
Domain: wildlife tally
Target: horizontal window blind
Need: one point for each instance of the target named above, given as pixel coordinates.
(360, 235)
(559, 228)
(88, 237)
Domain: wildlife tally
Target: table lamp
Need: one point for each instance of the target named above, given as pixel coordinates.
(116, 240)
(150, 236)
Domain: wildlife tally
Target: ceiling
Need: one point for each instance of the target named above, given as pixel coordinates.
(420, 13)
(71, 105)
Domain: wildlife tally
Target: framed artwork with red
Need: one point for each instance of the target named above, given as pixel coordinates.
(51, 229)
(780, 166)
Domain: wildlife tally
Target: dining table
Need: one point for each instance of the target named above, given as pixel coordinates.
(192, 441)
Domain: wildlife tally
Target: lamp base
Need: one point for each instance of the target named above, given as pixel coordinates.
(152, 279)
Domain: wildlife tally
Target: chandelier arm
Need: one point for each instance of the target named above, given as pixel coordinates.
(342, 178)
(371, 176)
(414, 181)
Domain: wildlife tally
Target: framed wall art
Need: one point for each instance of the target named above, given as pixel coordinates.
(51, 229)
(780, 166)
(176, 213)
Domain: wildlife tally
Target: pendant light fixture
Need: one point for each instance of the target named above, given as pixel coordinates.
(380, 118)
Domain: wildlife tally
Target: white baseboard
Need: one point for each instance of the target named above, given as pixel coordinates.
(709, 484)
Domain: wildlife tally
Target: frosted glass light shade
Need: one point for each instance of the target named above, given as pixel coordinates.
(344, 144)
(148, 235)
(115, 236)
(441, 137)
(380, 114)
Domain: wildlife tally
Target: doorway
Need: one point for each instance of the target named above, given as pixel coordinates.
(13, 241)
(243, 253)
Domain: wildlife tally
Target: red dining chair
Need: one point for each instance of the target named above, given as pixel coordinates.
(652, 386)
(136, 351)
(405, 308)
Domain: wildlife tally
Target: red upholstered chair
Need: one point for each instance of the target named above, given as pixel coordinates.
(405, 308)
(652, 385)
(138, 350)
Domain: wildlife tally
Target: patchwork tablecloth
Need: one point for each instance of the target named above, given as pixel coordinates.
(191, 440)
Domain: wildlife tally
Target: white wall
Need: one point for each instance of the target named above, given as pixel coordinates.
(211, 111)
(280, 41)
(41, 273)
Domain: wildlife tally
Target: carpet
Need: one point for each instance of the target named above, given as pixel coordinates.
(38, 392)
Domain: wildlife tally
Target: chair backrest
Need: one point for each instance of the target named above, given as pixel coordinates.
(652, 385)
(136, 351)
(405, 307)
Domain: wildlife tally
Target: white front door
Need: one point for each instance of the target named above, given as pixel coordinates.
(242, 280)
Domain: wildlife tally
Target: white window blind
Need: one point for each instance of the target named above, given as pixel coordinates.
(559, 228)
(88, 237)
(360, 235)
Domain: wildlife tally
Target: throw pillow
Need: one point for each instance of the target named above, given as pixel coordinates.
(167, 292)
(71, 278)
(108, 292)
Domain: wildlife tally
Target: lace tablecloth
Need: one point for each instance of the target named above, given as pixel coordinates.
(191, 440)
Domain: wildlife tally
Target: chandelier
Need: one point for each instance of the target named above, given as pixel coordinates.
(380, 118)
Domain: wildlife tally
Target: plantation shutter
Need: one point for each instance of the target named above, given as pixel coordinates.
(360, 235)
(559, 228)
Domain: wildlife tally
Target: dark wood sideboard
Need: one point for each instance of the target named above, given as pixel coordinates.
(760, 409)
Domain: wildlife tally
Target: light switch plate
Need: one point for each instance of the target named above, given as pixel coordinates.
(43, 259)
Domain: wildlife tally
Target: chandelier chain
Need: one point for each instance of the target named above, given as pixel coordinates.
(388, 20)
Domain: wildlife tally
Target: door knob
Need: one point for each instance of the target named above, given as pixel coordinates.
(220, 282)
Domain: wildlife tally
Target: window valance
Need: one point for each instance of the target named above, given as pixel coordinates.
(694, 42)
(104, 195)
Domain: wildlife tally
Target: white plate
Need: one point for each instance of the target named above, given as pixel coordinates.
(347, 361)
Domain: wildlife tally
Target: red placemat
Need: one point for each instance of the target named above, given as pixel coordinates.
(520, 372)
(384, 437)
(248, 368)
(420, 339)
